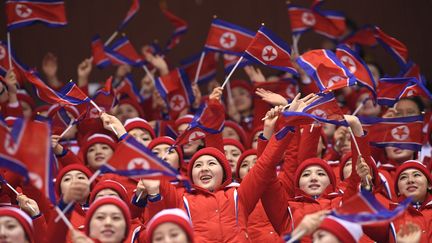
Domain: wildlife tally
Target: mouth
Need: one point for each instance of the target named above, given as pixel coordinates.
(314, 186)
(411, 188)
(107, 232)
(205, 179)
(100, 158)
(397, 151)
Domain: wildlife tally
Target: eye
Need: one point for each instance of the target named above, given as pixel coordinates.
(90, 150)
(305, 174)
(235, 154)
(322, 174)
(197, 165)
(66, 179)
(155, 153)
(402, 177)
(244, 165)
(417, 175)
(100, 217)
(11, 226)
(212, 163)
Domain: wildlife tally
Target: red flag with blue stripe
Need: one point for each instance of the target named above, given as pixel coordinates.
(70, 94)
(23, 13)
(399, 132)
(270, 50)
(175, 88)
(122, 51)
(127, 87)
(364, 36)
(19, 68)
(208, 67)
(180, 26)
(105, 97)
(396, 48)
(133, 9)
(390, 90)
(100, 58)
(228, 38)
(356, 66)
(325, 68)
(229, 62)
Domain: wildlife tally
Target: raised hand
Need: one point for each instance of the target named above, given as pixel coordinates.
(409, 233)
(298, 104)
(28, 205)
(216, 94)
(113, 123)
(254, 74)
(270, 97)
(84, 69)
(270, 121)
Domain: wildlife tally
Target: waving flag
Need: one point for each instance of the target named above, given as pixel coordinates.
(326, 107)
(127, 86)
(207, 120)
(130, 14)
(328, 23)
(23, 13)
(292, 118)
(365, 209)
(326, 69)
(105, 97)
(412, 70)
(364, 36)
(134, 160)
(34, 164)
(175, 88)
(70, 94)
(100, 59)
(268, 49)
(180, 26)
(390, 90)
(228, 38)
(356, 66)
(230, 61)
(396, 48)
(208, 67)
(400, 132)
(19, 68)
(123, 52)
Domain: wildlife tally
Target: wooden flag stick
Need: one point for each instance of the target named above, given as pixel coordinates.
(64, 218)
(111, 38)
(9, 50)
(232, 71)
(201, 60)
(285, 107)
(297, 236)
(17, 193)
(100, 111)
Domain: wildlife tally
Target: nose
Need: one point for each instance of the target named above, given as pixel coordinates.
(313, 178)
(108, 221)
(2, 232)
(410, 180)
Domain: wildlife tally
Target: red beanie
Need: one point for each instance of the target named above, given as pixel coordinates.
(109, 184)
(173, 215)
(96, 138)
(319, 162)
(137, 122)
(68, 168)
(23, 96)
(220, 158)
(169, 141)
(104, 201)
(411, 164)
(242, 84)
(233, 142)
(345, 231)
(186, 119)
(240, 131)
(23, 219)
(10, 120)
(241, 158)
(134, 104)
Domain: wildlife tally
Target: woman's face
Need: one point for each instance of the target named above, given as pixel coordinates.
(207, 172)
(246, 165)
(407, 108)
(141, 136)
(413, 183)
(242, 99)
(232, 153)
(255, 140)
(171, 158)
(314, 180)
(190, 148)
(229, 132)
(11, 231)
(108, 224)
(169, 233)
(98, 154)
(107, 193)
(375, 72)
(399, 155)
(369, 108)
(347, 169)
(72, 176)
(126, 111)
(323, 236)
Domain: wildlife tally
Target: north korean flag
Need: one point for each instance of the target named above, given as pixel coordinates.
(22, 13)
(400, 132)
(19, 68)
(123, 52)
(130, 14)
(356, 66)
(364, 36)
(229, 61)
(134, 160)
(105, 97)
(325, 68)
(180, 26)
(228, 38)
(390, 90)
(175, 88)
(100, 58)
(127, 87)
(208, 67)
(412, 70)
(270, 50)
(326, 107)
(396, 48)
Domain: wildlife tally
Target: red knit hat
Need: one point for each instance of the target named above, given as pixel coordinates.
(186, 119)
(239, 83)
(134, 104)
(411, 164)
(259, 129)
(240, 131)
(233, 142)
(65, 170)
(22, 95)
(139, 123)
(220, 158)
(241, 158)
(345, 231)
(109, 184)
(96, 138)
(167, 140)
(10, 120)
(23, 219)
(173, 215)
(319, 162)
(104, 201)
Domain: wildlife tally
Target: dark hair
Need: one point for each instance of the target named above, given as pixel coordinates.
(417, 100)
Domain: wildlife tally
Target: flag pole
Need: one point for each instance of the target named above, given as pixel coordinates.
(67, 129)
(285, 107)
(201, 60)
(358, 108)
(111, 38)
(358, 151)
(9, 50)
(232, 71)
(17, 193)
(100, 111)
(297, 236)
(64, 218)
(296, 38)
(148, 73)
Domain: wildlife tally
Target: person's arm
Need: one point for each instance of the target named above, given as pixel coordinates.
(30, 206)
(84, 69)
(13, 107)
(215, 108)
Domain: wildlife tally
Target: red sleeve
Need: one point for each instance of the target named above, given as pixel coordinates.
(169, 199)
(40, 229)
(254, 184)
(309, 142)
(290, 164)
(215, 111)
(13, 111)
(57, 230)
(69, 158)
(262, 143)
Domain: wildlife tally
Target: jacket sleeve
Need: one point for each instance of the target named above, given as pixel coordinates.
(69, 158)
(40, 228)
(290, 164)
(215, 108)
(262, 143)
(309, 142)
(255, 182)
(169, 199)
